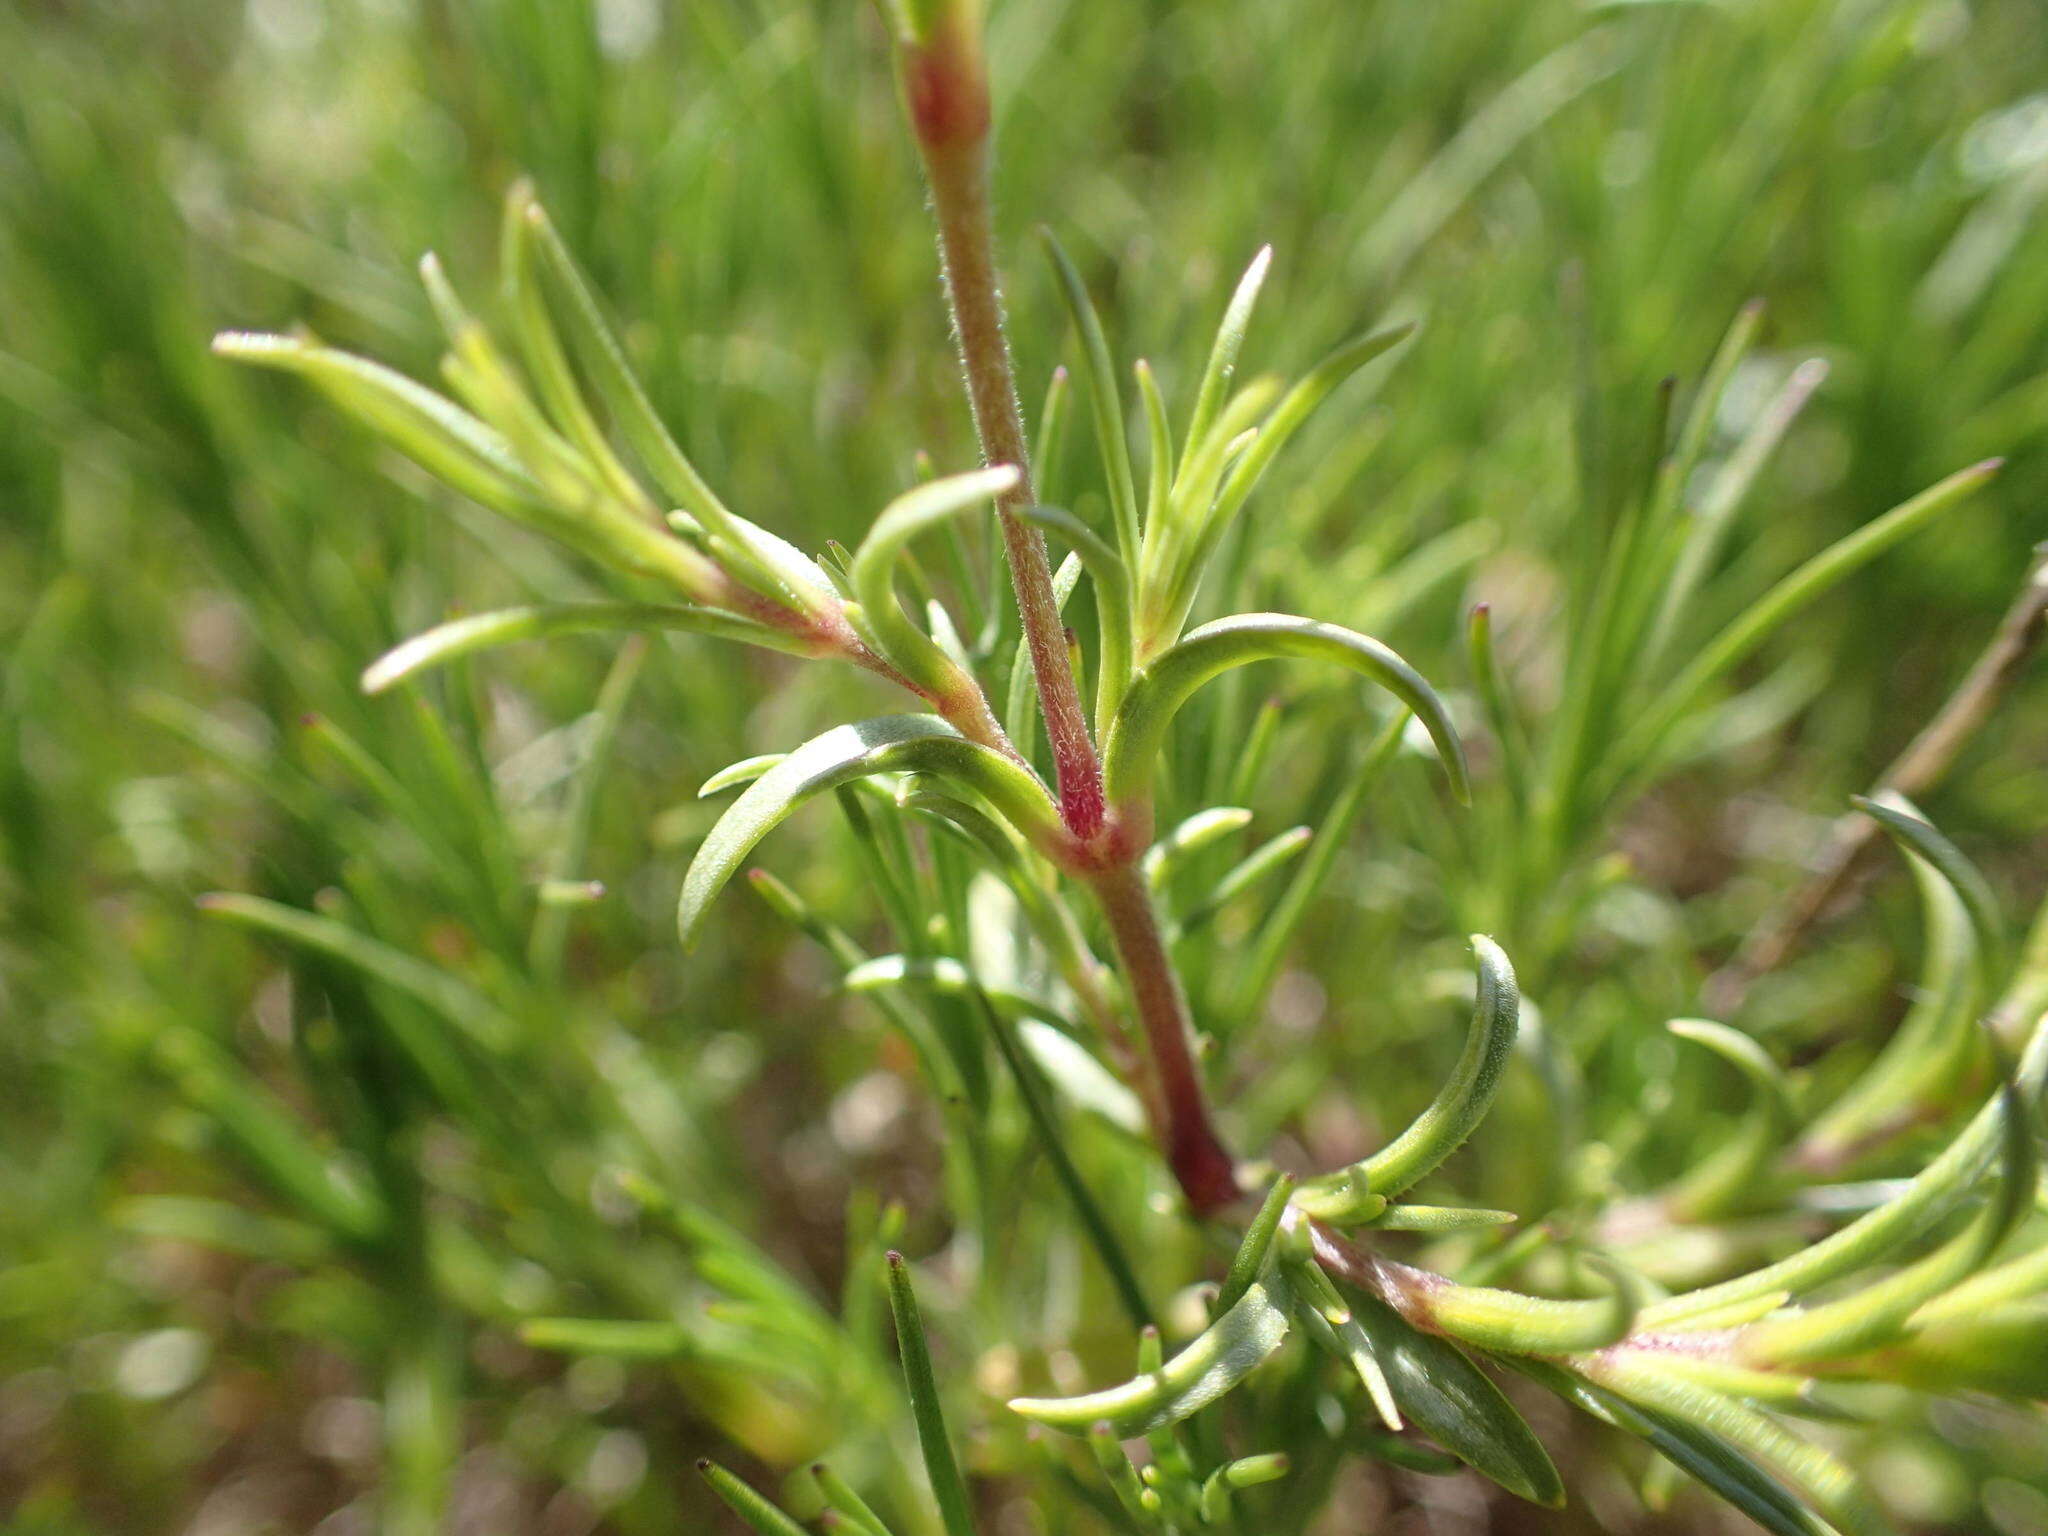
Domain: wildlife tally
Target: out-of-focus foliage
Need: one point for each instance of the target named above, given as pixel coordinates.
(195, 567)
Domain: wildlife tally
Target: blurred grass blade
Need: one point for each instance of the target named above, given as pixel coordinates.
(1638, 746)
(759, 1516)
(1099, 377)
(944, 1472)
(454, 1000)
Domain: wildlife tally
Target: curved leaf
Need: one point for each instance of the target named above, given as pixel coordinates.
(1720, 1182)
(893, 743)
(1914, 833)
(1931, 1050)
(1879, 1312)
(1226, 1352)
(873, 570)
(1157, 694)
(1533, 1325)
(1930, 1195)
(1360, 1191)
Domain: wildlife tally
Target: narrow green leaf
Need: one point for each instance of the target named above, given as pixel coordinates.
(453, 999)
(1732, 1171)
(270, 1140)
(1447, 1397)
(1101, 1232)
(1904, 824)
(765, 562)
(1131, 755)
(482, 631)
(1515, 1324)
(1268, 949)
(944, 1472)
(873, 570)
(1879, 1311)
(1816, 1472)
(1249, 1262)
(1199, 831)
(1697, 1452)
(840, 1495)
(1226, 1352)
(1452, 1116)
(1098, 372)
(759, 1516)
(1638, 746)
(1263, 862)
(1200, 528)
(1112, 579)
(1438, 1218)
(1930, 1195)
(1222, 365)
(893, 743)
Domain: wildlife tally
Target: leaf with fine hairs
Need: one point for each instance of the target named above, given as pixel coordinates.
(873, 569)
(893, 743)
(504, 626)
(1698, 1452)
(1220, 1357)
(1361, 1191)
(1131, 755)
(1451, 1400)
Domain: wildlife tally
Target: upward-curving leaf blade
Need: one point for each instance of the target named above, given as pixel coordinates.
(1131, 755)
(893, 743)
(1220, 1357)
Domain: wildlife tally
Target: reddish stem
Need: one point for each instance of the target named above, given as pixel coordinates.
(946, 89)
(1203, 1167)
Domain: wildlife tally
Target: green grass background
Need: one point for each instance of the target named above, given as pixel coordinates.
(195, 564)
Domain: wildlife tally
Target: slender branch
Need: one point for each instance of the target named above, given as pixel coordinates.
(946, 89)
(1204, 1168)
(1844, 864)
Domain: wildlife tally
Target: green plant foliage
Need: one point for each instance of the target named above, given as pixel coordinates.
(367, 1124)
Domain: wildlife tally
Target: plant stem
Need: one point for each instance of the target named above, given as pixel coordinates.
(946, 87)
(1203, 1167)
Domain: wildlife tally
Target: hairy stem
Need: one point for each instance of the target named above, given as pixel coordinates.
(946, 87)
(1201, 1164)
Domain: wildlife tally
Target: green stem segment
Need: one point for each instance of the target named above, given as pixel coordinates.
(945, 84)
